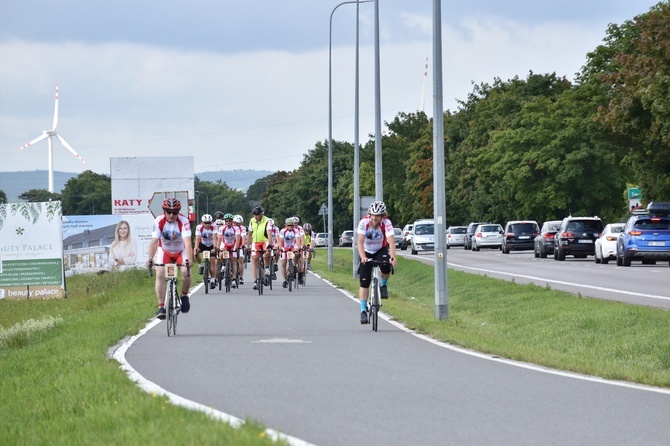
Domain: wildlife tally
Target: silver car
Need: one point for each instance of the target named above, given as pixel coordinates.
(423, 236)
(456, 236)
(487, 236)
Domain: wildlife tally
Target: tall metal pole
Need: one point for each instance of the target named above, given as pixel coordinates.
(357, 187)
(379, 181)
(330, 127)
(439, 202)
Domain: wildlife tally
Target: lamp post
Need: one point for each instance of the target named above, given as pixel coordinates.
(206, 200)
(330, 124)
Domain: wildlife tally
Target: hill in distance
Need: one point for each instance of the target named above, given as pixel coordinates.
(16, 183)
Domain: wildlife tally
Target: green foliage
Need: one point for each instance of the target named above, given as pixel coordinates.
(212, 197)
(3, 197)
(39, 195)
(89, 193)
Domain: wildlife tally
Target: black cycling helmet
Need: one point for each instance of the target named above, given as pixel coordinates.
(218, 215)
(258, 210)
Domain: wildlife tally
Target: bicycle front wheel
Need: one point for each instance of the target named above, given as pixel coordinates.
(169, 306)
(290, 275)
(259, 276)
(205, 276)
(374, 304)
(228, 276)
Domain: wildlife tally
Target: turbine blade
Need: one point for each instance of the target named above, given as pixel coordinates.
(69, 147)
(38, 139)
(53, 127)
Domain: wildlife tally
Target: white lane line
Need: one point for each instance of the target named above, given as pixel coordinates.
(523, 365)
(154, 389)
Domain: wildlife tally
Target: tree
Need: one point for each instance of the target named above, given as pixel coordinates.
(89, 193)
(3, 197)
(39, 195)
(639, 107)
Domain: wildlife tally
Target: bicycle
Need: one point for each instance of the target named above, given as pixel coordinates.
(172, 294)
(205, 272)
(226, 270)
(290, 271)
(271, 268)
(374, 299)
(260, 273)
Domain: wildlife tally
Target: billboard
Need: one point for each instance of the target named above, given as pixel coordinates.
(93, 243)
(134, 181)
(31, 251)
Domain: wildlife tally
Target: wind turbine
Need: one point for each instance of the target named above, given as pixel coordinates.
(50, 134)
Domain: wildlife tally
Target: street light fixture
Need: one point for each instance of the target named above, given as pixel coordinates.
(330, 125)
(206, 200)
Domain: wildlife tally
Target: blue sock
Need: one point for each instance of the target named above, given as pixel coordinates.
(383, 282)
(364, 305)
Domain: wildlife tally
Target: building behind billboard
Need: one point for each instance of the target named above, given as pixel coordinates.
(134, 181)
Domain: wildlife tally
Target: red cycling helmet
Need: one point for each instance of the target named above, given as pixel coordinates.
(171, 203)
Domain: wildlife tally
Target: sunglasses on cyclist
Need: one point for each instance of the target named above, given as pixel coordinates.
(172, 212)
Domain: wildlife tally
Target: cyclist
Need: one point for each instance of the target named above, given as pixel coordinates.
(375, 241)
(298, 254)
(259, 236)
(205, 234)
(308, 243)
(238, 221)
(229, 237)
(289, 240)
(171, 243)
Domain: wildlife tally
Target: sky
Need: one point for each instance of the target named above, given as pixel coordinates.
(244, 84)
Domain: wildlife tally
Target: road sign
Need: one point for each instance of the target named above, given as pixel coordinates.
(323, 210)
(156, 202)
(634, 198)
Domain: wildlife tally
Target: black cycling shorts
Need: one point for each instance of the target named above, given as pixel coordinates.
(365, 270)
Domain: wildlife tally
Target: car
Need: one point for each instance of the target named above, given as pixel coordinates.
(606, 243)
(519, 235)
(423, 236)
(321, 239)
(456, 236)
(646, 236)
(407, 236)
(544, 242)
(346, 239)
(467, 242)
(397, 236)
(577, 237)
(487, 236)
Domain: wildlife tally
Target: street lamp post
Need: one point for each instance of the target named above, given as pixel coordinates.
(330, 124)
(198, 192)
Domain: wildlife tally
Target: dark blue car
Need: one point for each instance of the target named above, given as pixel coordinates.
(646, 236)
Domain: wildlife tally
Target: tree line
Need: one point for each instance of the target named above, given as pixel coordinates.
(539, 148)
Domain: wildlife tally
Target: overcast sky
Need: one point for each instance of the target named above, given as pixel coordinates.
(244, 84)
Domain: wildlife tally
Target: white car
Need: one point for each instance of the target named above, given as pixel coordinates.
(423, 236)
(487, 236)
(456, 236)
(321, 240)
(606, 242)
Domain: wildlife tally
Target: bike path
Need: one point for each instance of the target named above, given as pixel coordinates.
(301, 363)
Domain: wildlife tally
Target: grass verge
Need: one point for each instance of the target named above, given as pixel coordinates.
(58, 386)
(525, 322)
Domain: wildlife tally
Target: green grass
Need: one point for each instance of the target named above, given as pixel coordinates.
(58, 386)
(525, 322)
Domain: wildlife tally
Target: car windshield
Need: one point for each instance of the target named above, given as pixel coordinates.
(424, 229)
(653, 223)
(617, 229)
(522, 228)
(554, 228)
(490, 228)
(585, 225)
(459, 230)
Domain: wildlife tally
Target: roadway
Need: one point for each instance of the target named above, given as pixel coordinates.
(301, 363)
(647, 285)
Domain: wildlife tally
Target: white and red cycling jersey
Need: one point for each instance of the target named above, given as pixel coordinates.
(289, 237)
(243, 235)
(206, 234)
(375, 238)
(275, 235)
(228, 236)
(171, 247)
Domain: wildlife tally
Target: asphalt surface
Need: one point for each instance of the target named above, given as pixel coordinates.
(301, 363)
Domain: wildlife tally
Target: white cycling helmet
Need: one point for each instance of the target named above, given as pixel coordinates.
(206, 218)
(296, 220)
(219, 222)
(238, 219)
(377, 208)
(271, 222)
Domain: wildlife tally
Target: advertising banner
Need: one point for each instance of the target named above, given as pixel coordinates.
(93, 243)
(134, 180)
(31, 251)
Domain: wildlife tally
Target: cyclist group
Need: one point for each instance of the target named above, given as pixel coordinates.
(225, 233)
